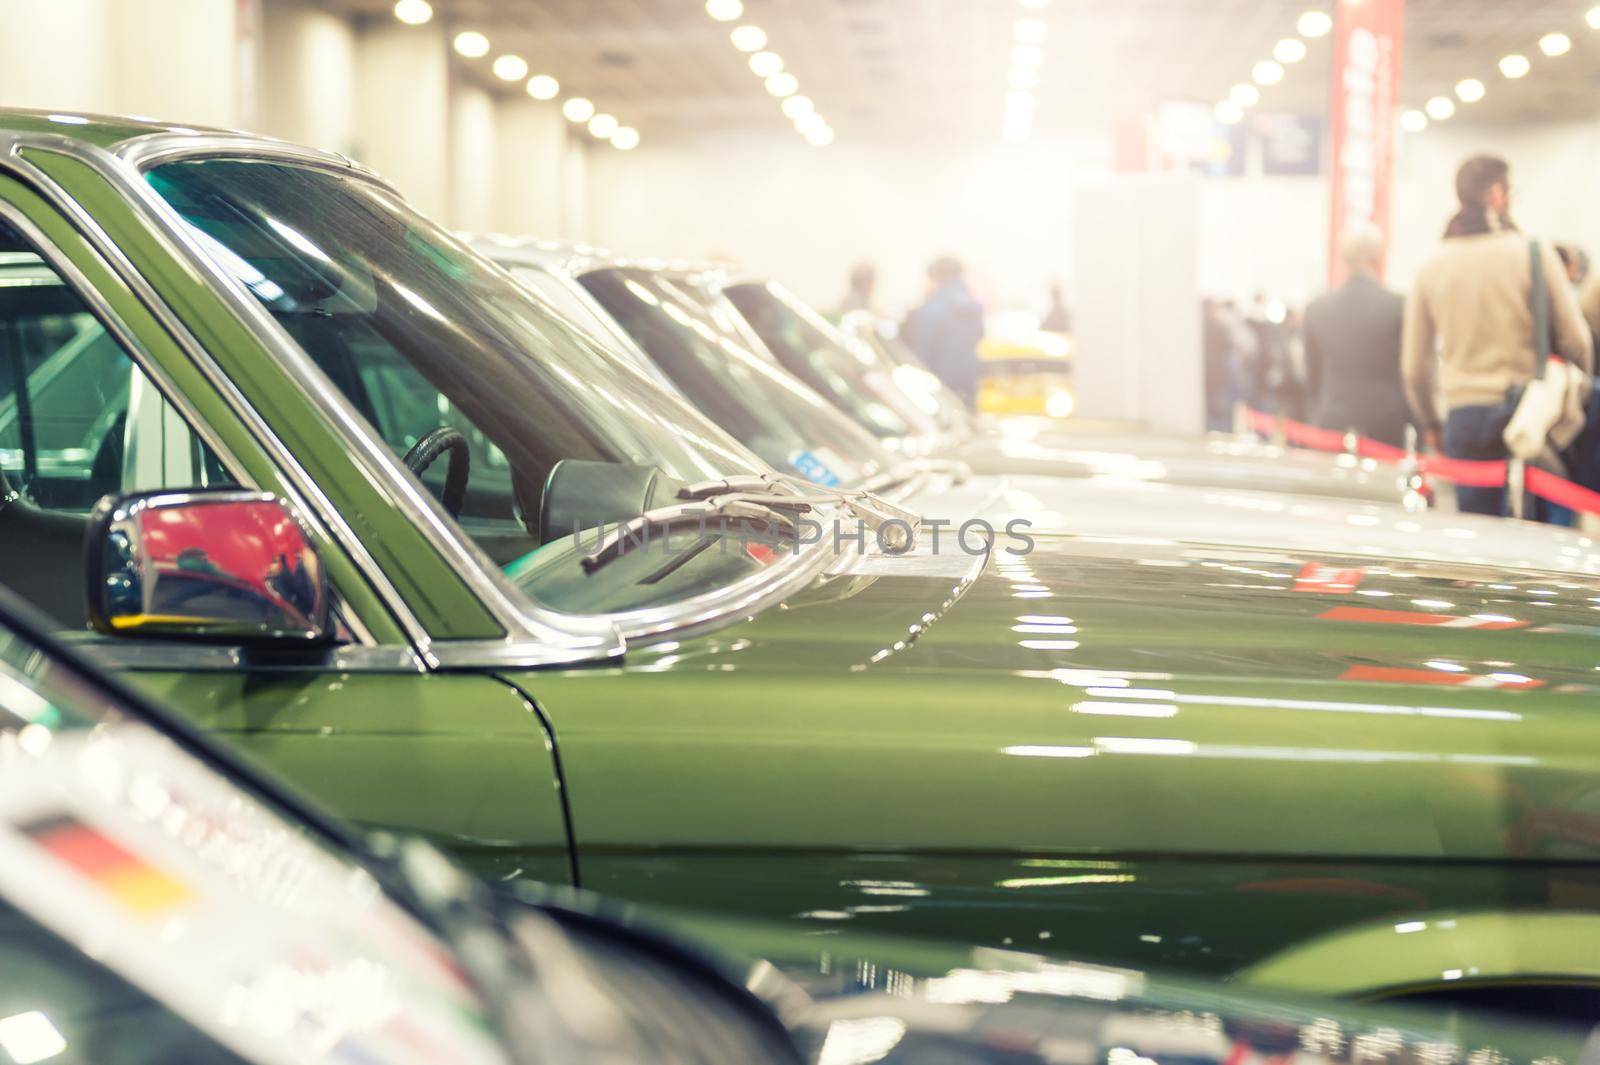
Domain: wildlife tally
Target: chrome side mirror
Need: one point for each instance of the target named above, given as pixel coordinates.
(223, 566)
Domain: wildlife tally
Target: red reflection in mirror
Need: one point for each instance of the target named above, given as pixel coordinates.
(246, 561)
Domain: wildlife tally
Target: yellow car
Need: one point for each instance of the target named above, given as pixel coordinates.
(1031, 375)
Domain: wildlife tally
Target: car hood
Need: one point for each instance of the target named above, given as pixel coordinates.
(1222, 463)
(1118, 694)
(1138, 511)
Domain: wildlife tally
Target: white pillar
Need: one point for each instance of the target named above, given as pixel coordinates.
(176, 60)
(306, 77)
(1136, 324)
(56, 55)
(403, 110)
(472, 160)
(531, 167)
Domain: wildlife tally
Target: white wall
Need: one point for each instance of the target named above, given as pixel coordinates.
(805, 214)
(306, 76)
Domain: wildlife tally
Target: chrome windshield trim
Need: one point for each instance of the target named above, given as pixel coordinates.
(165, 146)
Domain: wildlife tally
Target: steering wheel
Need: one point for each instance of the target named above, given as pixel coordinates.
(427, 450)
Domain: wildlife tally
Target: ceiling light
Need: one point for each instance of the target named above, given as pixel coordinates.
(543, 87)
(1229, 113)
(795, 106)
(1027, 55)
(820, 137)
(809, 121)
(413, 12)
(1267, 72)
(1469, 90)
(1554, 44)
(748, 38)
(784, 84)
(1314, 24)
(1515, 66)
(1593, 18)
(1440, 108)
(1030, 31)
(1018, 100)
(1245, 95)
(1035, 3)
(603, 125)
(766, 64)
(1289, 50)
(1023, 77)
(625, 138)
(511, 68)
(471, 44)
(1413, 121)
(724, 10)
(578, 109)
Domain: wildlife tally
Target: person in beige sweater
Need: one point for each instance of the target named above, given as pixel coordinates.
(1468, 341)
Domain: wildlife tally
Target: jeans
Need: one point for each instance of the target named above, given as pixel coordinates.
(1475, 433)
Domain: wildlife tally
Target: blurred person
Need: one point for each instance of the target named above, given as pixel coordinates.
(1468, 334)
(946, 329)
(1352, 338)
(858, 295)
(1575, 261)
(1056, 317)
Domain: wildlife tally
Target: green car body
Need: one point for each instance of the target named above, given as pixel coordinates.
(1148, 753)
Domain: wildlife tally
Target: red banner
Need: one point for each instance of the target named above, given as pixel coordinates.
(1367, 38)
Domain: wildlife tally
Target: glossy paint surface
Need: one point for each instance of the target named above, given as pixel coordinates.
(1180, 756)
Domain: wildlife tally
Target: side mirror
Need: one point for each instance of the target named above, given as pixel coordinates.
(581, 494)
(221, 566)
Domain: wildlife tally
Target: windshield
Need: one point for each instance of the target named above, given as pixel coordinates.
(806, 347)
(420, 333)
(765, 408)
(126, 863)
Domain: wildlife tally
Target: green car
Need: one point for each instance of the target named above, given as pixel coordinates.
(341, 460)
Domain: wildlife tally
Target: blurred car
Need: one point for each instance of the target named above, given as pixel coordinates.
(161, 901)
(513, 608)
(1027, 375)
(673, 319)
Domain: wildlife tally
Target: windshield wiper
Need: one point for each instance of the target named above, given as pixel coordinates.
(777, 503)
(897, 524)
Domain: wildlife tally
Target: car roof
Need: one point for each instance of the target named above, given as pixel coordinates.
(102, 130)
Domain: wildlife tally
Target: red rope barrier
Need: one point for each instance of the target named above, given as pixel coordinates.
(1473, 474)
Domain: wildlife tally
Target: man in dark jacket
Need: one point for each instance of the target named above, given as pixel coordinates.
(946, 329)
(1352, 337)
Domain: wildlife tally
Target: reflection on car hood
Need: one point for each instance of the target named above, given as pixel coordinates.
(858, 999)
(1220, 463)
(1138, 511)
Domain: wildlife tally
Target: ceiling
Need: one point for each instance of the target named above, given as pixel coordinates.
(887, 69)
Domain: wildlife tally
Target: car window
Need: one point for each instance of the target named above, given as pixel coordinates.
(824, 363)
(765, 408)
(78, 420)
(421, 333)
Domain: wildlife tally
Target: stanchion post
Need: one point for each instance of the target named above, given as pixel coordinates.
(1516, 486)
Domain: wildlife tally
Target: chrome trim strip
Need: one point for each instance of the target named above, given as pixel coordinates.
(299, 484)
(160, 656)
